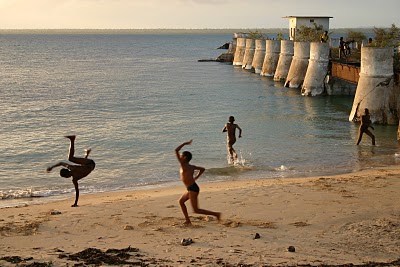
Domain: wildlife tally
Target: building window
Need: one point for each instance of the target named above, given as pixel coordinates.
(311, 20)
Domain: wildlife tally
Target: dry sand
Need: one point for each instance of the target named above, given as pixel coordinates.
(352, 218)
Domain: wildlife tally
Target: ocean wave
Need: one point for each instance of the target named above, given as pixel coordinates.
(229, 170)
(31, 193)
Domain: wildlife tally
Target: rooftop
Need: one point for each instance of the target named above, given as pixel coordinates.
(307, 17)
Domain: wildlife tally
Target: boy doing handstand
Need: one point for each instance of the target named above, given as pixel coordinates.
(79, 170)
(187, 173)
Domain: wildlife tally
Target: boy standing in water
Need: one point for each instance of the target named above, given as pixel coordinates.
(83, 167)
(231, 127)
(187, 173)
(365, 124)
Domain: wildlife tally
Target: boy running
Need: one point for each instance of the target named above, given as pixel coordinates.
(231, 127)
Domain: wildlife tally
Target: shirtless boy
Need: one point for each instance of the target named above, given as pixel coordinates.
(231, 127)
(81, 168)
(187, 173)
(365, 124)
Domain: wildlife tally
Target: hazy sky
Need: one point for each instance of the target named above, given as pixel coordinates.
(191, 14)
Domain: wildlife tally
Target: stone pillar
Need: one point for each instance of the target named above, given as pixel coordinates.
(298, 67)
(317, 69)
(239, 53)
(375, 89)
(285, 59)
(259, 55)
(248, 54)
(272, 50)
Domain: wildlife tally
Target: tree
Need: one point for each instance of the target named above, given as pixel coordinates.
(387, 37)
(256, 35)
(309, 34)
(356, 36)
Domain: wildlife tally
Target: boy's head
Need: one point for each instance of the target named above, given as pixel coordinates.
(65, 173)
(186, 155)
(366, 111)
(231, 119)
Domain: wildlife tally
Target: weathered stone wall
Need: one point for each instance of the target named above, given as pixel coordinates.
(375, 88)
(298, 67)
(285, 59)
(259, 55)
(272, 51)
(317, 69)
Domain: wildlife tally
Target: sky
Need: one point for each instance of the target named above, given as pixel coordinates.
(192, 14)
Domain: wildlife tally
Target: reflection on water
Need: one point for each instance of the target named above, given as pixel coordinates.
(133, 98)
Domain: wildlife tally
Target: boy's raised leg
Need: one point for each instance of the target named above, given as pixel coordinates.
(193, 199)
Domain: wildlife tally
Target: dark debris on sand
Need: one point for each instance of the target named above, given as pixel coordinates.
(22, 262)
(97, 257)
(131, 257)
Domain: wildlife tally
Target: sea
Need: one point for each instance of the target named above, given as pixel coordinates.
(134, 97)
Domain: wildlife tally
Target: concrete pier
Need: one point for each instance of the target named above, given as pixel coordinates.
(239, 53)
(298, 67)
(248, 54)
(272, 50)
(285, 59)
(375, 88)
(317, 69)
(259, 55)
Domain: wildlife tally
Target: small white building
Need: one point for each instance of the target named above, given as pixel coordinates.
(295, 22)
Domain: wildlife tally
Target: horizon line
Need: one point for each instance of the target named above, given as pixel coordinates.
(149, 29)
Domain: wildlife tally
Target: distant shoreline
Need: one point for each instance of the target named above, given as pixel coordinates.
(164, 31)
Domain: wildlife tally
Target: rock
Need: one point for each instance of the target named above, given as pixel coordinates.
(186, 242)
(128, 227)
(207, 60)
(55, 212)
(224, 46)
(291, 249)
(257, 236)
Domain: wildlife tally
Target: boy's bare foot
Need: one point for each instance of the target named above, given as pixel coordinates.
(75, 205)
(71, 137)
(189, 223)
(87, 152)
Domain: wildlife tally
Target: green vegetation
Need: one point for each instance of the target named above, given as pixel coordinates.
(256, 35)
(356, 36)
(386, 37)
(309, 34)
(279, 36)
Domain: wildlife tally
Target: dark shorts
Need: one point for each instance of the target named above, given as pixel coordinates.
(194, 188)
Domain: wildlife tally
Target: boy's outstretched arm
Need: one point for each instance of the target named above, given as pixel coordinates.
(224, 129)
(180, 147)
(56, 165)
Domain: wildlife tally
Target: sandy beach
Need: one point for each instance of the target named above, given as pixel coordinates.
(330, 221)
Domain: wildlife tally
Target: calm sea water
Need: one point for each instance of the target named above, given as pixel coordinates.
(134, 98)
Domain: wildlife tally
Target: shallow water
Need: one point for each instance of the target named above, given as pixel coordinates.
(134, 98)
